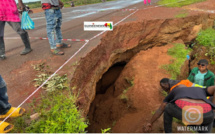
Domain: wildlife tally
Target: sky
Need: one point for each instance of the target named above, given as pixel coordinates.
(28, 0)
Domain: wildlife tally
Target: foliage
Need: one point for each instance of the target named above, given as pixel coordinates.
(66, 3)
(63, 117)
(181, 15)
(57, 110)
(164, 93)
(177, 3)
(131, 84)
(106, 130)
(207, 39)
(55, 83)
(179, 53)
(59, 114)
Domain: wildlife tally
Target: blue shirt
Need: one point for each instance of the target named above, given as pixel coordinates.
(199, 78)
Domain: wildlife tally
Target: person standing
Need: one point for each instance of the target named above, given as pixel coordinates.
(9, 13)
(53, 25)
(201, 75)
(145, 2)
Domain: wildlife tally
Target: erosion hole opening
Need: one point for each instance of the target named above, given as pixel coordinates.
(100, 114)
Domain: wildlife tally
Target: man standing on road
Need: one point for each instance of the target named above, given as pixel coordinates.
(9, 13)
(53, 24)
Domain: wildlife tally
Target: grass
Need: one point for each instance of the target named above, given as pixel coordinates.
(123, 96)
(179, 54)
(106, 130)
(67, 3)
(59, 114)
(164, 93)
(207, 38)
(181, 15)
(177, 3)
(57, 109)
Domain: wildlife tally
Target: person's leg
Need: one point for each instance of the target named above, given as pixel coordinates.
(59, 37)
(4, 104)
(24, 36)
(2, 45)
(51, 23)
(145, 2)
(207, 124)
(171, 110)
(58, 27)
(149, 1)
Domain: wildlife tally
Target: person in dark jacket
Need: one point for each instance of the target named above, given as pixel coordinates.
(201, 75)
(178, 99)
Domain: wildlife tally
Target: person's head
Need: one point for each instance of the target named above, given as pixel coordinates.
(164, 83)
(202, 65)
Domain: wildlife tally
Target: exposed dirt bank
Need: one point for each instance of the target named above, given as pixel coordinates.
(140, 77)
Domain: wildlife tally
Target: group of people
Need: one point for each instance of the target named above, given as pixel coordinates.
(196, 90)
(10, 14)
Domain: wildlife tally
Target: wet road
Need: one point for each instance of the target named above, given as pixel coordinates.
(15, 69)
(72, 28)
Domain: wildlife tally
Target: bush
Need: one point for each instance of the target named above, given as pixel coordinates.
(179, 53)
(63, 116)
(177, 3)
(207, 39)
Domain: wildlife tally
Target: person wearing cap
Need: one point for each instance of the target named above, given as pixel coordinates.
(53, 25)
(201, 75)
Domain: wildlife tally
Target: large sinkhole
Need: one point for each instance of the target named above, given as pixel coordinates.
(100, 114)
(143, 45)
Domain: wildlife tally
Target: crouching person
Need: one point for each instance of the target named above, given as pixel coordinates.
(183, 97)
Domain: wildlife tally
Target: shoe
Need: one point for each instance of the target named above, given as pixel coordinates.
(2, 57)
(25, 51)
(25, 40)
(57, 52)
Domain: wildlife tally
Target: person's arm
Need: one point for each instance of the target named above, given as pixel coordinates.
(21, 5)
(159, 112)
(157, 115)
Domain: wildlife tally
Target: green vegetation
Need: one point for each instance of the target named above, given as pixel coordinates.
(179, 53)
(181, 15)
(57, 109)
(67, 3)
(178, 3)
(207, 39)
(164, 93)
(123, 96)
(58, 115)
(55, 83)
(106, 130)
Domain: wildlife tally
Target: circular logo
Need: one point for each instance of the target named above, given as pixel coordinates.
(192, 115)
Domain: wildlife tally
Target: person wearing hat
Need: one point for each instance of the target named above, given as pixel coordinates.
(201, 75)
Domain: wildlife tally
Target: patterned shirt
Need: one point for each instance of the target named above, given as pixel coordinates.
(9, 11)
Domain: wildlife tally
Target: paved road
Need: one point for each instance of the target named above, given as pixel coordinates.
(12, 68)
